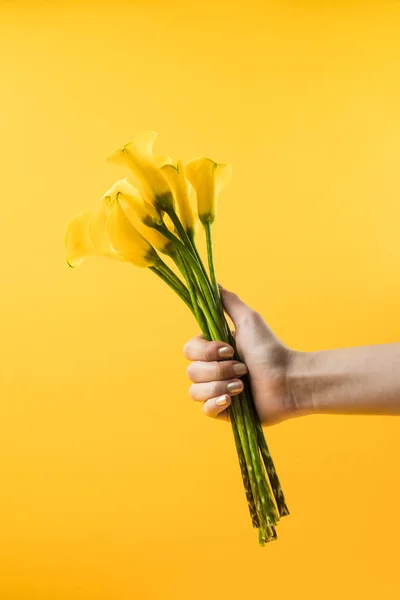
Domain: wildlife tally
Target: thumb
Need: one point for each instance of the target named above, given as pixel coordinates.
(234, 306)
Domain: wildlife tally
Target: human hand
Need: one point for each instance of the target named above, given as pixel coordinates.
(216, 376)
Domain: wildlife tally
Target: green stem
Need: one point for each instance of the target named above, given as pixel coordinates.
(204, 284)
(267, 506)
(180, 262)
(243, 469)
(211, 266)
(211, 323)
(172, 285)
(173, 277)
(189, 242)
(262, 442)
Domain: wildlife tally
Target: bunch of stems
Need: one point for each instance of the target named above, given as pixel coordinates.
(200, 292)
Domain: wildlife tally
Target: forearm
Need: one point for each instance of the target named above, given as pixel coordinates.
(361, 380)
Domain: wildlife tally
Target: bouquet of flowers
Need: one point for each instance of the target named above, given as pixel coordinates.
(149, 215)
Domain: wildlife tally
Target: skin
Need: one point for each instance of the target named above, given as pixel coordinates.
(287, 383)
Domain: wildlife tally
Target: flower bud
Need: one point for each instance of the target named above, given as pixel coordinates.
(208, 179)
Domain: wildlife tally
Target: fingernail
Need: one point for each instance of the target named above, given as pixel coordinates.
(221, 400)
(225, 352)
(234, 386)
(240, 369)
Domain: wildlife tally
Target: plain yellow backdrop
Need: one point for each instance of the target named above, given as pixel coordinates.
(113, 484)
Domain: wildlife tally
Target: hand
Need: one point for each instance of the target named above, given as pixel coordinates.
(216, 377)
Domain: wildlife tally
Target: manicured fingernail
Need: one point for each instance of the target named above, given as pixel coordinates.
(225, 352)
(240, 369)
(234, 386)
(221, 400)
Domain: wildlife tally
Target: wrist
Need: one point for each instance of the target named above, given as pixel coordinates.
(300, 382)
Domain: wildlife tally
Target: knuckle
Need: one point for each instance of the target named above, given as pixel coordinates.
(218, 368)
(251, 319)
(210, 351)
(216, 388)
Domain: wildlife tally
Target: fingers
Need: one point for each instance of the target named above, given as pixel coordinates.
(200, 349)
(215, 378)
(201, 392)
(215, 407)
(201, 372)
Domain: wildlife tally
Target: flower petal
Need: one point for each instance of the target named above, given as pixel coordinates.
(180, 188)
(208, 179)
(155, 238)
(223, 176)
(162, 160)
(78, 244)
(143, 143)
(97, 230)
(126, 240)
(132, 202)
(148, 178)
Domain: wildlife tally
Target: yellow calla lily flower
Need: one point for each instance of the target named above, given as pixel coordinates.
(208, 179)
(129, 196)
(148, 177)
(180, 188)
(155, 238)
(126, 240)
(107, 232)
(140, 213)
(79, 243)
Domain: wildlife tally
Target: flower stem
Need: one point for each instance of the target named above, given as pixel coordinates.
(211, 268)
(210, 254)
(180, 262)
(170, 273)
(159, 272)
(188, 240)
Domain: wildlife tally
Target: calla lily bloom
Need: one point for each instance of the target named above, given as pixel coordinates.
(208, 179)
(79, 244)
(180, 188)
(155, 238)
(129, 197)
(140, 213)
(107, 232)
(148, 177)
(127, 241)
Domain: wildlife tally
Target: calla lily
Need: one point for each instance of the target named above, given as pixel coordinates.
(140, 213)
(126, 239)
(107, 232)
(79, 243)
(208, 179)
(129, 197)
(155, 238)
(148, 177)
(180, 188)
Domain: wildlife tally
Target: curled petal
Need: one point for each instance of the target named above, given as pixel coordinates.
(78, 244)
(131, 201)
(86, 236)
(223, 176)
(148, 178)
(162, 160)
(127, 241)
(208, 179)
(156, 239)
(180, 188)
(97, 230)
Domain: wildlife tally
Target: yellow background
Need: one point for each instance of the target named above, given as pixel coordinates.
(113, 485)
